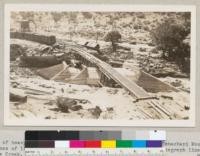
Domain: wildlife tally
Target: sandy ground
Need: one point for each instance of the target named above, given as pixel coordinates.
(115, 103)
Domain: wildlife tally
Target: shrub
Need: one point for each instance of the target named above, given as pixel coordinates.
(87, 15)
(169, 36)
(113, 36)
(134, 19)
(146, 28)
(137, 26)
(147, 22)
(141, 15)
(56, 16)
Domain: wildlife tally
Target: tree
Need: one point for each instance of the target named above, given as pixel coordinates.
(113, 37)
(169, 37)
(27, 15)
(57, 16)
(87, 15)
(73, 23)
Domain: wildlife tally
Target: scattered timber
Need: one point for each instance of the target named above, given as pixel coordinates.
(17, 96)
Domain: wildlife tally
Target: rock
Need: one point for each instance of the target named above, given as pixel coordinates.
(48, 117)
(154, 51)
(64, 103)
(15, 51)
(18, 98)
(46, 50)
(133, 42)
(187, 107)
(143, 49)
(112, 91)
(15, 84)
(177, 83)
(167, 97)
(96, 112)
(84, 101)
(76, 107)
(151, 44)
(110, 109)
(151, 65)
(50, 103)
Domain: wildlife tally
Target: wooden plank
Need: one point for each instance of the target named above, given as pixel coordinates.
(158, 105)
(146, 113)
(64, 68)
(158, 110)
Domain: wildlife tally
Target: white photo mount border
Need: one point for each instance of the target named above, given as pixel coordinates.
(118, 8)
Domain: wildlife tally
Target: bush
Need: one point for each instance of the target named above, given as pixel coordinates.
(141, 15)
(169, 37)
(134, 19)
(87, 15)
(146, 28)
(56, 16)
(113, 36)
(147, 22)
(137, 26)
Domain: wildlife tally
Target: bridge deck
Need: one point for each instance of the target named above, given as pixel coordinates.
(124, 82)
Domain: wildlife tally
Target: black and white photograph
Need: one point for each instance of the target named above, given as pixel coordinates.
(93, 65)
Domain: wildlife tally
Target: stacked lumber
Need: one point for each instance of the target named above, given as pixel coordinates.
(39, 61)
(43, 39)
(93, 76)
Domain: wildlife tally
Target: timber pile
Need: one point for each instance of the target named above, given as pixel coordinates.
(39, 61)
(153, 109)
(43, 39)
(16, 96)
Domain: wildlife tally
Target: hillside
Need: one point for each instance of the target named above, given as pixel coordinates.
(134, 26)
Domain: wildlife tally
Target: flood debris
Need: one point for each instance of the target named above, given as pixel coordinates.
(167, 97)
(64, 104)
(96, 112)
(43, 39)
(17, 96)
(39, 61)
